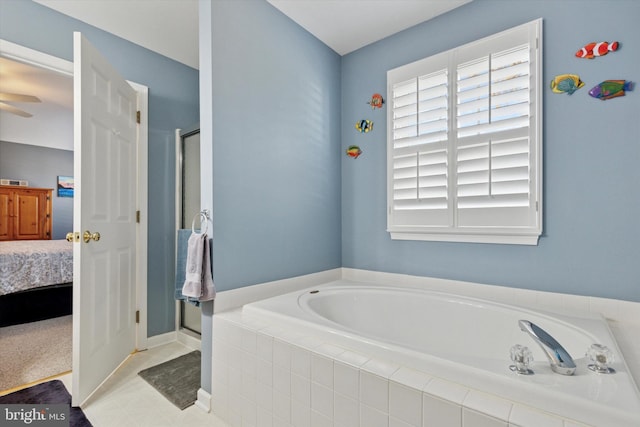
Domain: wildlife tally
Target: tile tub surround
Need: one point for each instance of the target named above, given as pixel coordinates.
(269, 376)
(263, 375)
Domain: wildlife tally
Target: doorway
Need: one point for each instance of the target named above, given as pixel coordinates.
(188, 209)
(66, 68)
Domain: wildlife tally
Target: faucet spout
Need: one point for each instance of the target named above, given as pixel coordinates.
(559, 359)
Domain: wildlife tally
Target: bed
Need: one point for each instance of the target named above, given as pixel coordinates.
(35, 280)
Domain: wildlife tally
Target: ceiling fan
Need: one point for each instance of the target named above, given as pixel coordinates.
(15, 97)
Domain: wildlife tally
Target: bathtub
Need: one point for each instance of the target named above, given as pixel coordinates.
(441, 348)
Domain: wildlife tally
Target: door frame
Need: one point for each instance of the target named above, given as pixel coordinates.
(43, 60)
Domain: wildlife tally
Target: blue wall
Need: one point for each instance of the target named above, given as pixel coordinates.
(287, 201)
(276, 147)
(173, 103)
(41, 166)
(591, 155)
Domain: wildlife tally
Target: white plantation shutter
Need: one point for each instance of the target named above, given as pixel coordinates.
(464, 142)
(420, 161)
(493, 110)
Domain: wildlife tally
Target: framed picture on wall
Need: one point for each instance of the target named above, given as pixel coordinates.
(65, 186)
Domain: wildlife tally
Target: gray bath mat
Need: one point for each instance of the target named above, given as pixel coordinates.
(178, 379)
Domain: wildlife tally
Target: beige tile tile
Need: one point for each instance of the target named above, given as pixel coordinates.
(127, 400)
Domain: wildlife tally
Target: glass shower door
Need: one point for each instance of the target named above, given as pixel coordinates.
(190, 171)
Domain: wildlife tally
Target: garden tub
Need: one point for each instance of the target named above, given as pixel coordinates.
(462, 341)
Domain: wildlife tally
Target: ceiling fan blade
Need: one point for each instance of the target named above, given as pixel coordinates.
(16, 97)
(14, 110)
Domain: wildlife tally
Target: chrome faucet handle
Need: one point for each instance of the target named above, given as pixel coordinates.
(522, 357)
(602, 356)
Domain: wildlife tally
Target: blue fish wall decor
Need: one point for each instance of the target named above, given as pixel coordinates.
(364, 126)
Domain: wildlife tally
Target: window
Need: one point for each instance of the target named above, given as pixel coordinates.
(465, 143)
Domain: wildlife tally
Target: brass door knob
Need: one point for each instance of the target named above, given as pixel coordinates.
(69, 236)
(88, 236)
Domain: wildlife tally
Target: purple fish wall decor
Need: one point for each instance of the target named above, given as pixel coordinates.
(611, 89)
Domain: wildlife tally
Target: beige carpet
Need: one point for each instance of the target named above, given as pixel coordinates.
(32, 351)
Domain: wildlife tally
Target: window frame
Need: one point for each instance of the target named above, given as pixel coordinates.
(408, 225)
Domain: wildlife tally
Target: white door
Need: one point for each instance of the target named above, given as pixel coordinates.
(104, 291)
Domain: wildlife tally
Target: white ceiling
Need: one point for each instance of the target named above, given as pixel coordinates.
(52, 121)
(348, 25)
(170, 27)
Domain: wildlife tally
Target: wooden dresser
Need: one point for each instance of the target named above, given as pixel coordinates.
(25, 213)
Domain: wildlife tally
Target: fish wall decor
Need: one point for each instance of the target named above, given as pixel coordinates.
(594, 49)
(566, 83)
(376, 101)
(611, 89)
(354, 151)
(364, 126)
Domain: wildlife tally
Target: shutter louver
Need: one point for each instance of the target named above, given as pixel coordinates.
(405, 114)
(433, 107)
(493, 93)
(420, 180)
(420, 110)
(493, 174)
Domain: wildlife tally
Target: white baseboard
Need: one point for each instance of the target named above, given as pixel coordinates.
(162, 339)
(204, 400)
(188, 340)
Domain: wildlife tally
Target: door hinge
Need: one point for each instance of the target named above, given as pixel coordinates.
(138, 117)
(138, 217)
(137, 316)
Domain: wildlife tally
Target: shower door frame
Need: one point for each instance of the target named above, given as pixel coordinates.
(182, 221)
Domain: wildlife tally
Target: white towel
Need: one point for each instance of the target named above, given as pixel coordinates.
(198, 282)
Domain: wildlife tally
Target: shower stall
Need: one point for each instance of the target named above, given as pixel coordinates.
(188, 317)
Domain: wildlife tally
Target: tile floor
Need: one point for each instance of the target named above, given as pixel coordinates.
(126, 400)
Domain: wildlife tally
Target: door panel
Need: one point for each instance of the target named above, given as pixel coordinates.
(105, 141)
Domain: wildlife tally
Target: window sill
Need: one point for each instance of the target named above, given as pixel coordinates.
(503, 239)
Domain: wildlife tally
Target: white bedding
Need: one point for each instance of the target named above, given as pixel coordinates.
(27, 264)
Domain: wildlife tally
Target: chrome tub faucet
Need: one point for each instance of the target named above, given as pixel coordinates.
(559, 359)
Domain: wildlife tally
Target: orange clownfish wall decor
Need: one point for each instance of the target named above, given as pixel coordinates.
(594, 49)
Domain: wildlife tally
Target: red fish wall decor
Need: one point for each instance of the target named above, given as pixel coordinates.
(354, 151)
(594, 49)
(376, 101)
